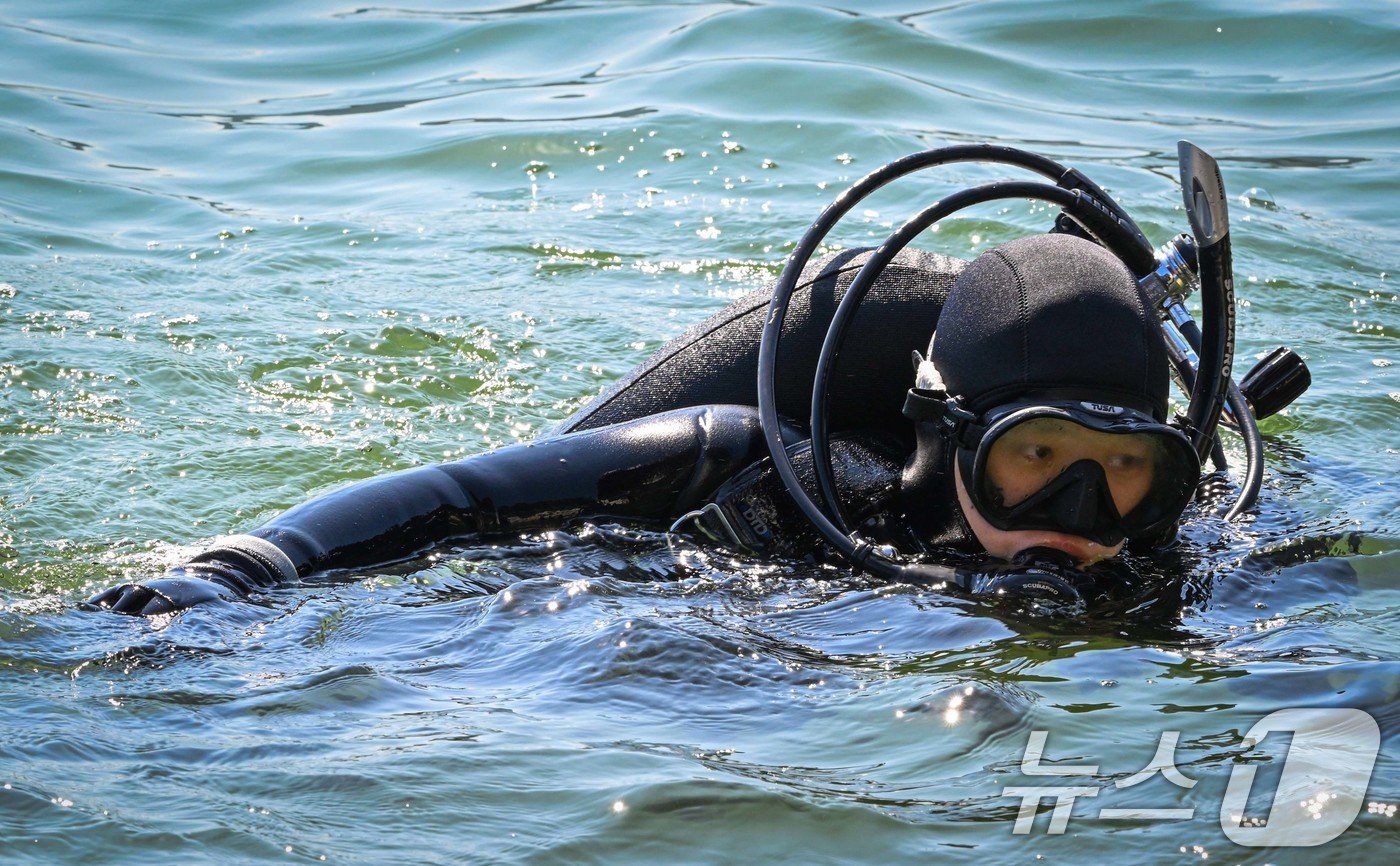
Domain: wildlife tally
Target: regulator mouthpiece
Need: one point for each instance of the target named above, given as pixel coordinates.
(1047, 558)
(1039, 573)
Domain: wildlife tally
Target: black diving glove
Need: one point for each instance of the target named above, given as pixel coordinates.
(175, 591)
(233, 568)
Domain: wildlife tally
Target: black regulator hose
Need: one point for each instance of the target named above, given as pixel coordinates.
(1253, 451)
(857, 554)
(1245, 423)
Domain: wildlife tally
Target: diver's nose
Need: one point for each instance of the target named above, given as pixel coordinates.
(1083, 499)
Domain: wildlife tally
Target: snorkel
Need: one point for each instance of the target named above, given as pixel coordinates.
(1272, 384)
(1203, 191)
(1087, 211)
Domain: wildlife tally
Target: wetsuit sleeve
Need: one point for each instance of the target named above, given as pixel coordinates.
(657, 467)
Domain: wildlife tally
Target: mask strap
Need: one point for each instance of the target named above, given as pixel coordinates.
(959, 425)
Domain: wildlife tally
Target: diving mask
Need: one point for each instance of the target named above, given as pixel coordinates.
(1094, 470)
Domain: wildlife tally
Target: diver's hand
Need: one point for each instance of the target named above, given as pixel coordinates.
(162, 595)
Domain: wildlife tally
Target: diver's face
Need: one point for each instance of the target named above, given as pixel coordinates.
(1030, 455)
(1025, 460)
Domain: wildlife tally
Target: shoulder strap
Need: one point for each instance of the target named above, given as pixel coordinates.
(753, 511)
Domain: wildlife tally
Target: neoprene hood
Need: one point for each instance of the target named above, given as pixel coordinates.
(1053, 328)
(1050, 317)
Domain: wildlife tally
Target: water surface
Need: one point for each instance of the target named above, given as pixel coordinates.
(251, 253)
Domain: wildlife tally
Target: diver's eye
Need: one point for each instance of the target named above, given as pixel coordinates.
(1037, 453)
(1127, 462)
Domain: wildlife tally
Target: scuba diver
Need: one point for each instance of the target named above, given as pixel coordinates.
(1036, 433)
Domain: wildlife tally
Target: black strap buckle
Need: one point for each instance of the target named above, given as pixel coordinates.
(936, 407)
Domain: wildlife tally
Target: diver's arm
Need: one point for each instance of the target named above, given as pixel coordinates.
(660, 466)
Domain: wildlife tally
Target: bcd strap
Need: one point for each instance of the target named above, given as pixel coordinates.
(753, 511)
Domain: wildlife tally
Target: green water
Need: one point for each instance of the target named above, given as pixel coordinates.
(249, 253)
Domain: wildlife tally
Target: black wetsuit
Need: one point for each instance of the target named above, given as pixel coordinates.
(629, 453)
(657, 467)
(678, 441)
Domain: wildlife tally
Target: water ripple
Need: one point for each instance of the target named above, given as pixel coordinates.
(254, 252)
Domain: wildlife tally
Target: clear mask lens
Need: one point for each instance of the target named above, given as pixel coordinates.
(1026, 458)
(1103, 478)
